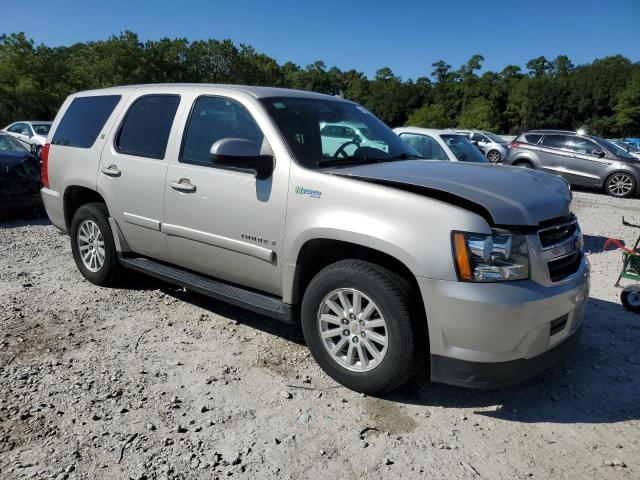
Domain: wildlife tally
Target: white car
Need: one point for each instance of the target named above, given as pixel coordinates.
(32, 135)
(435, 144)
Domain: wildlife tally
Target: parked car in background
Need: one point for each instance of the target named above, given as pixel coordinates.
(632, 141)
(627, 147)
(434, 144)
(33, 135)
(19, 179)
(386, 260)
(493, 146)
(584, 160)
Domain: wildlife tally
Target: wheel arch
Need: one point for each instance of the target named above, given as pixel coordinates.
(74, 197)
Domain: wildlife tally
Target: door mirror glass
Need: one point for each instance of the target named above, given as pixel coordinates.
(599, 153)
(242, 154)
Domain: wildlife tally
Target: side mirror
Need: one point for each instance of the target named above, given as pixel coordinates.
(600, 153)
(243, 155)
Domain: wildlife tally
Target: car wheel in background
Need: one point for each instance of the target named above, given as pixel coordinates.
(523, 164)
(494, 156)
(620, 184)
(361, 325)
(39, 151)
(92, 245)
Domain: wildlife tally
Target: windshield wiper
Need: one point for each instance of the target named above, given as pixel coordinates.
(364, 160)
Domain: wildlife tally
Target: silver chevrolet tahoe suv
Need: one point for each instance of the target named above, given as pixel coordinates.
(391, 263)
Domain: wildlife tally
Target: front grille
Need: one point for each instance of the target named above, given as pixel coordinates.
(558, 325)
(557, 234)
(561, 268)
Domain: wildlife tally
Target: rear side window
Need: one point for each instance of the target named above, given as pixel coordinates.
(532, 138)
(554, 141)
(146, 127)
(83, 120)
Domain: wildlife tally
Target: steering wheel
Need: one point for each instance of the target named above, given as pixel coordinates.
(342, 151)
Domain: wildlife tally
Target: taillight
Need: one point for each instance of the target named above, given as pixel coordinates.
(44, 172)
(513, 144)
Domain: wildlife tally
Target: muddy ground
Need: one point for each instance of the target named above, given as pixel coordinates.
(150, 381)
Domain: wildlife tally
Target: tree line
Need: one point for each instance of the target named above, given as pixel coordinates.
(603, 96)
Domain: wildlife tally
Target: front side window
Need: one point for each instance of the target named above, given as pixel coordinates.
(582, 146)
(146, 127)
(213, 119)
(463, 149)
(554, 141)
(83, 120)
(425, 145)
(301, 122)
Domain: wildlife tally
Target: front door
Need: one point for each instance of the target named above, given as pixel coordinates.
(584, 165)
(225, 223)
(133, 170)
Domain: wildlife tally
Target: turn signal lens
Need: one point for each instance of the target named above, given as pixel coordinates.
(462, 257)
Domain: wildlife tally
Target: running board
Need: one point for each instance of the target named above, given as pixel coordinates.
(254, 301)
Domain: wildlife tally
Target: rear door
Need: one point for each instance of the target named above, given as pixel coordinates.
(553, 152)
(133, 168)
(583, 165)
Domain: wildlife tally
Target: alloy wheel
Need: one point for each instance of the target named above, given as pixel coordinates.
(353, 330)
(620, 184)
(493, 156)
(91, 245)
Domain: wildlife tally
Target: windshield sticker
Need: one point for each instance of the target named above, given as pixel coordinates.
(307, 191)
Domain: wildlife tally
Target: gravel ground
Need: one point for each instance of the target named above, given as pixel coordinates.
(150, 381)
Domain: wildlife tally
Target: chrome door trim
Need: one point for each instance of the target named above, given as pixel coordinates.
(219, 241)
(142, 221)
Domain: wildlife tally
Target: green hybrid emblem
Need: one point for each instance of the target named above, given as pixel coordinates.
(308, 191)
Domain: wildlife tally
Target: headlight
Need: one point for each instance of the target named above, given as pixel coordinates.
(490, 258)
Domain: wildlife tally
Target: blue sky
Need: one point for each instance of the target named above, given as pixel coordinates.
(406, 36)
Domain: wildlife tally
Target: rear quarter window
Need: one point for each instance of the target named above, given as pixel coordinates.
(532, 138)
(83, 120)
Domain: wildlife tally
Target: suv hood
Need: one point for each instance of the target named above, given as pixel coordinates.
(508, 195)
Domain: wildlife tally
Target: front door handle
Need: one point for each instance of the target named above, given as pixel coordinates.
(112, 171)
(183, 185)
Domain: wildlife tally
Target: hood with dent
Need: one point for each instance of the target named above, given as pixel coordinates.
(510, 195)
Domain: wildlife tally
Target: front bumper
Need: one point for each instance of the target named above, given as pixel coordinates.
(486, 335)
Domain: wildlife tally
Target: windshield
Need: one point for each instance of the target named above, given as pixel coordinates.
(8, 144)
(323, 133)
(463, 149)
(493, 137)
(41, 128)
(613, 148)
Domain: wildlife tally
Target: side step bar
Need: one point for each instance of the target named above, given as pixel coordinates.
(254, 301)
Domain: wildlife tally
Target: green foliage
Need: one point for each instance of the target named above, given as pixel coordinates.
(604, 95)
(429, 116)
(478, 114)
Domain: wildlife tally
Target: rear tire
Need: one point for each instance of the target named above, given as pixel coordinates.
(630, 298)
(494, 156)
(524, 164)
(93, 246)
(379, 307)
(621, 185)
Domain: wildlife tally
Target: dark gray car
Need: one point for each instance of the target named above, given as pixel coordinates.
(583, 160)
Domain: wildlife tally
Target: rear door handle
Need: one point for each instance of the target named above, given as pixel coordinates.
(183, 185)
(112, 171)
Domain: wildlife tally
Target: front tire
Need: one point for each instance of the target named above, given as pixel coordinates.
(621, 185)
(93, 246)
(361, 326)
